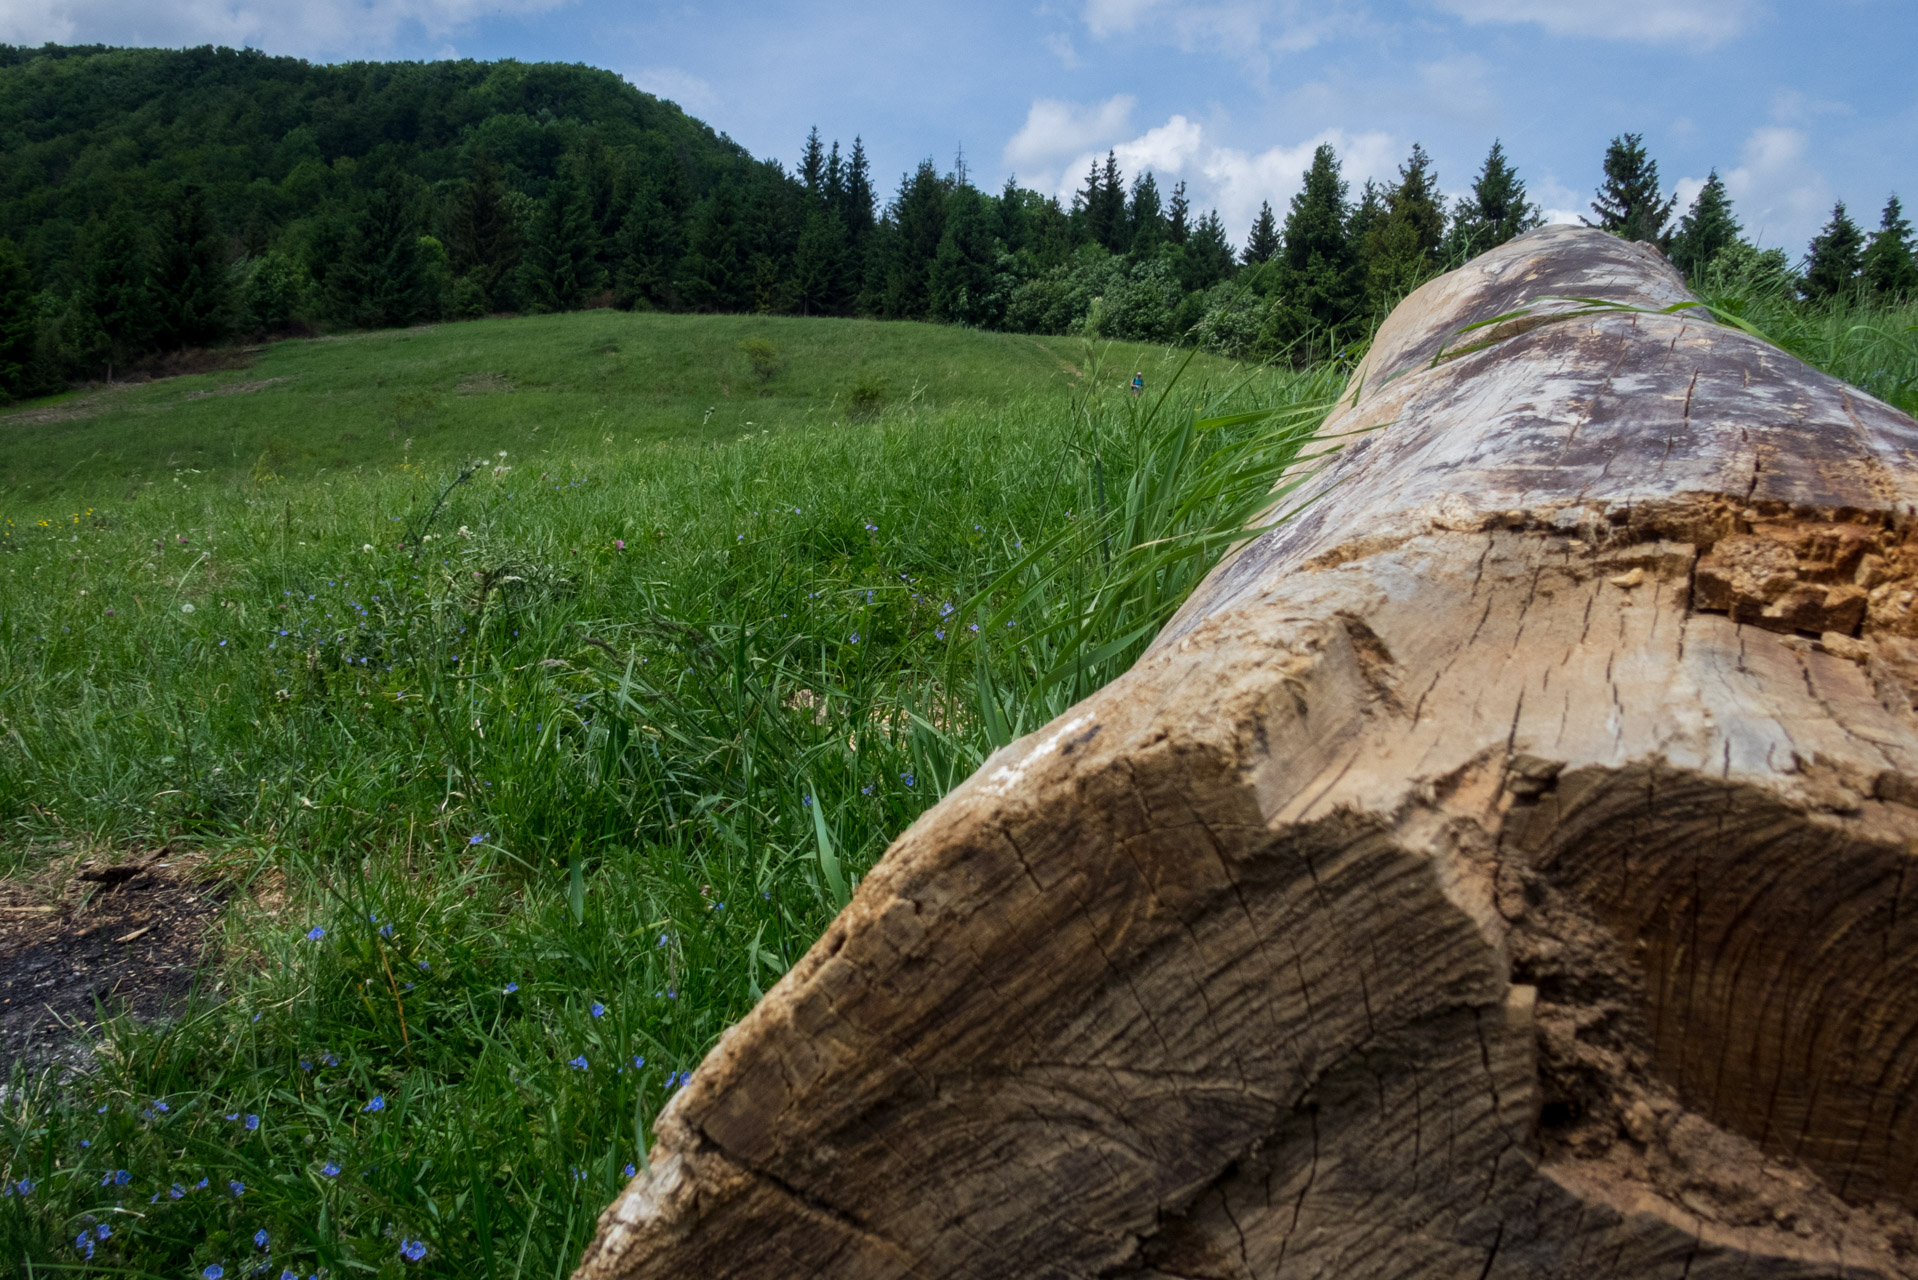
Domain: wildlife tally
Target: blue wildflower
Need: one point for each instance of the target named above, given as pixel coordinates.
(330, 1169)
(412, 1250)
(237, 1188)
(579, 1063)
(377, 1104)
(176, 1192)
(252, 1122)
(84, 1243)
(161, 1107)
(598, 1010)
(629, 1171)
(213, 1271)
(315, 934)
(103, 1231)
(260, 1238)
(638, 1062)
(511, 987)
(477, 837)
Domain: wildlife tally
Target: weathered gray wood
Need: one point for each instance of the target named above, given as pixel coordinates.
(1500, 871)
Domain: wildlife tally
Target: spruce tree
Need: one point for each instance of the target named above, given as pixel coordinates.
(1495, 212)
(812, 166)
(1014, 219)
(1400, 245)
(605, 191)
(858, 212)
(1208, 256)
(919, 214)
(188, 280)
(835, 190)
(1630, 205)
(1320, 284)
(821, 265)
(1178, 215)
(1707, 229)
(1889, 266)
(19, 322)
(1366, 212)
(714, 275)
(959, 287)
(650, 244)
(482, 235)
(1089, 208)
(1263, 244)
(1117, 236)
(116, 290)
(380, 278)
(1831, 268)
(561, 268)
(1145, 216)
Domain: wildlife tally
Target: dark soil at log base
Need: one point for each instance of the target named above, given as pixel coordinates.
(128, 937)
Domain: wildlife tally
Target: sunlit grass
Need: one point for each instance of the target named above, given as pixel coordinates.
(527, 811)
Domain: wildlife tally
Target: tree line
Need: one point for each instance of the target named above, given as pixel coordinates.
(463, 190)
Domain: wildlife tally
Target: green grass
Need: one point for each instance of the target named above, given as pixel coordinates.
(1873, 345)
(565, 788)
(572, 785)
(557, 386)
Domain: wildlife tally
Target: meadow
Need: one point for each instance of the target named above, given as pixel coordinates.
(539, 689)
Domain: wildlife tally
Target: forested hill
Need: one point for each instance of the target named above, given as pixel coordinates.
(159, 200)
(272, 140)
(176, 197)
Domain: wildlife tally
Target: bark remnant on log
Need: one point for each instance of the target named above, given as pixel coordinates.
(1500, 871)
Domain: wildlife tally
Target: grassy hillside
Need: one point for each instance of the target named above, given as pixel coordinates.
(518, 819)
(582, 384)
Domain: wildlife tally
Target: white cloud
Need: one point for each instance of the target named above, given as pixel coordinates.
(1054, 130)
(1777, 193)
(1231, 179)
(1558, 203)
(1246, 30)
(1701, 22)
(1237, 182)
(692, 93)
(311, 27)
(1116, 17)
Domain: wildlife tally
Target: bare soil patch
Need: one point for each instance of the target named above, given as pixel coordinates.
(236, 389)
(482, 383)
(97, 938)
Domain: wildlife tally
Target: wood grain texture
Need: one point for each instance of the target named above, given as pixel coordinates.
(1500, 871)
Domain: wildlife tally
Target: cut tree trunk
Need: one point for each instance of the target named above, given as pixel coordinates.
(1498, 871)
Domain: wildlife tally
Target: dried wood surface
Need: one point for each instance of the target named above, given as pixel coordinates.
(1499, 871)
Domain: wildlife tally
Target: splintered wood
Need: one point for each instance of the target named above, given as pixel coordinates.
(1498, 871)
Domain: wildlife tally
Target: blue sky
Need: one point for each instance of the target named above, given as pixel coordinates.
(1796, 104)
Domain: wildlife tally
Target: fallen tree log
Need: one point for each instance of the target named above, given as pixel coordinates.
(1500, 870)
